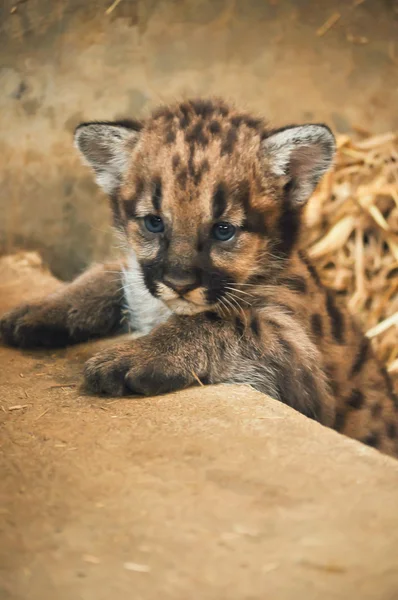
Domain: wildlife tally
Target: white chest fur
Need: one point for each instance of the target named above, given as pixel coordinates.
(144, 311)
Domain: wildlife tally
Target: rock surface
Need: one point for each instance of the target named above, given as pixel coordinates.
(216, 492)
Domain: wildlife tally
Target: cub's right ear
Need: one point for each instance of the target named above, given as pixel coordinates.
(106, 148)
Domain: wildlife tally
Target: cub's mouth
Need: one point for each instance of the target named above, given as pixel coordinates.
(193, 302)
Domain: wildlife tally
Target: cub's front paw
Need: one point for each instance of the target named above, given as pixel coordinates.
(131, 369)
(30, 325)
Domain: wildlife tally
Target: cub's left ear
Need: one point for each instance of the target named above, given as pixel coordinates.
(301, 155)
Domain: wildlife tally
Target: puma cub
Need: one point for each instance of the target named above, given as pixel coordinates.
(209, 202)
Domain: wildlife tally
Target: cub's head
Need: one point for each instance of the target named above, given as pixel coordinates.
(208, 198)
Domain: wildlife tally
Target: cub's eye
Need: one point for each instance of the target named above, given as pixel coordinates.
(223, 231)
(154, 224)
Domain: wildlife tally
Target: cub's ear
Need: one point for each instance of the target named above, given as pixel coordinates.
(106, 147)
(300, 154)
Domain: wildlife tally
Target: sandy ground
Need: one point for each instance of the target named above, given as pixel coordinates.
(212, 493)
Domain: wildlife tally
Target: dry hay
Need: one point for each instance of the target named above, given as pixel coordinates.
(353, 236)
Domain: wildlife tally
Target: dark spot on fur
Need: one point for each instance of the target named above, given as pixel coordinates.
(204, 167)
(336, 319)
(295, 283)
(391, 429)
(175, 161)
(356, 399)
(372, 439)
(376, 410)
(185, 117)
(316, 325)
(389, 387)
(203, 108)
(182, 178)
(289, 227)
(239, 326)
(196, 135)
(228, 144)
(310, 267)
(162, 113)
(361, 357)
(314, 404)
(213, 316)
(170, 137)
(214, 127)
(191, 166)
(255, 326)
(340, 420)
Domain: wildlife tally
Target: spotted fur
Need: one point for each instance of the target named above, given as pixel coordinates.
(250, 309)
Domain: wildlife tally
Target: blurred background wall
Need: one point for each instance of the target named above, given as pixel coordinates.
(66, 61)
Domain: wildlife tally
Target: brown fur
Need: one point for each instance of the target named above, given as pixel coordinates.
(249, 310)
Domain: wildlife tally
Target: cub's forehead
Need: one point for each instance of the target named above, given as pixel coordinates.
(195, 137)
(187, 151)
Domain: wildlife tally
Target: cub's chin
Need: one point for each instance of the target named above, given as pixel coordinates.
(179, 306)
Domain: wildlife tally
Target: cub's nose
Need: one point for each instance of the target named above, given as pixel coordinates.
(180, 285)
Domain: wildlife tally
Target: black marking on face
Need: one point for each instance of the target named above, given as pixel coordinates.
(289, 228)
(336, 319)
(356, 399)
(255, 326)
(254, 221)
(317, 325)
(228, 144)
(157, 193)
(295, 283)
(215, 281)
(219, 201)
(372, 439)
(361, 357)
